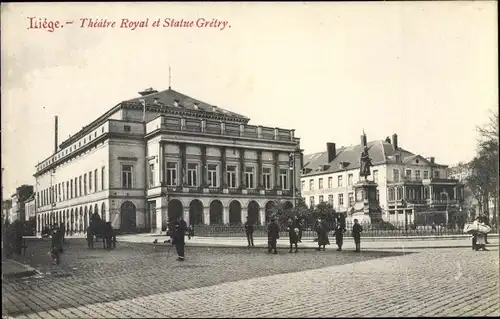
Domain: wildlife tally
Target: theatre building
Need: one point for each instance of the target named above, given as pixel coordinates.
(164, 154)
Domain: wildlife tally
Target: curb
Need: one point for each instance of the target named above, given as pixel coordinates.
(29, 271)
(282, 246)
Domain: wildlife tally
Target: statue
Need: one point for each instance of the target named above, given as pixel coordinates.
(364, 164)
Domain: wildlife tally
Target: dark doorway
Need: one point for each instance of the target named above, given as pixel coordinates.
(128, 217)
(175, 210)
(253, 213)
(216, 210)
(195, 212)
(234, 213)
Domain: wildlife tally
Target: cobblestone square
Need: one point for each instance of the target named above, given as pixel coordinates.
(137, 280)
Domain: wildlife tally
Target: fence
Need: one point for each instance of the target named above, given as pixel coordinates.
(383, 229)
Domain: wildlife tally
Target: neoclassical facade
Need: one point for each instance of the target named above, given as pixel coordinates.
(410, 187)
(166, 154)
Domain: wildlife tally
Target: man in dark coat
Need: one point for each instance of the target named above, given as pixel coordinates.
(273, 233)
(356, 234)
(339, 236)
(108, 234)
(298, 225)
(180, 228)
(249, 233)
(293, 234)
(56, 246)
(62, 228)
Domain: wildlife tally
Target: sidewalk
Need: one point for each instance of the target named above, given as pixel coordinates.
(12, 268)
(379, 243)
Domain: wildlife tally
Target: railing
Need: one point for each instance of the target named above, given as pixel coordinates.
(383, 229)
(222, 128)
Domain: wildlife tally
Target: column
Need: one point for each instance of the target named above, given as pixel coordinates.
(455, 193)
(244, 214)
(206, 215)
(276, 169)
(405, 196)
(259, 170)
(431, 193)
(242, 169)
(223, 164)
(225, 215)
(161, 163)
(204, 182)
(186, 215)
(183, 167)
(262, 213)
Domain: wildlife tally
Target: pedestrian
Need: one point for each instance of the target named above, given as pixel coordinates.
(293, 234)
(356, 234)
(273, 234)
(56, 246)
(298, 225)
(322, 230)
(62, 228)
(249, 233)
(339, 236)
(90, 237)
(179, 231)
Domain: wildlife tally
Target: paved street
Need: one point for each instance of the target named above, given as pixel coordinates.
(136, 280)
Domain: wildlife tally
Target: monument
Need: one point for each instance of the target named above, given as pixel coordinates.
(366, 208)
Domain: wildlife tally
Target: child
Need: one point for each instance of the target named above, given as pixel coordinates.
(356, 234)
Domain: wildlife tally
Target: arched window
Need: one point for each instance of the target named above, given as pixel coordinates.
(400, 193)
(391, 193)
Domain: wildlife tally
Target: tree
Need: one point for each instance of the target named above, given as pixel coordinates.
(325, 211)
(483, 180)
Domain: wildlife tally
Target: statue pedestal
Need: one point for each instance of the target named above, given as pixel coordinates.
(366, 208)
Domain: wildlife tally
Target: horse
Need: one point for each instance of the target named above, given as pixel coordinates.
(101, 230)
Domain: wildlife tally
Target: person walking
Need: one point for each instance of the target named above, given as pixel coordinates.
(273, 233)
(180, 229)
(62, 228)
(249, 233)
(322, 230)
(356, 234)
(293, 234)
(339, 236)
(56, 246)
(298, 225)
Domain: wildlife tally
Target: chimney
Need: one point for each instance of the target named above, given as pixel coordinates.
(55, 134)
(332, 152)
(432, 160)
(301, 159)
(395, 141)
(388, 140)
(214, 108)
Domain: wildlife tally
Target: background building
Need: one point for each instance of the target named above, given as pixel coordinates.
(165, 154)
(410, 187)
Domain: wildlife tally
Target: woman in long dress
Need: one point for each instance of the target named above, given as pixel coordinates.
(480, 238)
(323, 230)
(293, 235)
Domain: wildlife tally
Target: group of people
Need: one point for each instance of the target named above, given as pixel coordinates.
(294, 229)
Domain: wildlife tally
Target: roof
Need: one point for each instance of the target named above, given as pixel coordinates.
(168, 98)
(379, 151)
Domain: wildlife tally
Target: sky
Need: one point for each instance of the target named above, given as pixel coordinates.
(424, 70)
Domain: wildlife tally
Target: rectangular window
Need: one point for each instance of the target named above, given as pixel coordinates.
(436, 174)
(171, 174)
(330, 199)
(339, 181)
(213, 181)
(417, 175)
(95, 180)
(303, 185)
(80, 186)
(59, 192)
(266, 174)
(103, 169)
(231, 176)
(408, 173)
(250, 177)
(375, 176)
(320, 184)
(349, 179)
(71, 189)
(351, 199)
(90, 182)
(284, 178)
(127, 176)
(330, 182)
(151, 175)
(311, 201)
(395, 174)
(426, 174)
(85, 184)
(192, 171)
(311, 184)
(67, 191)
(341, 199)
(321, 198)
